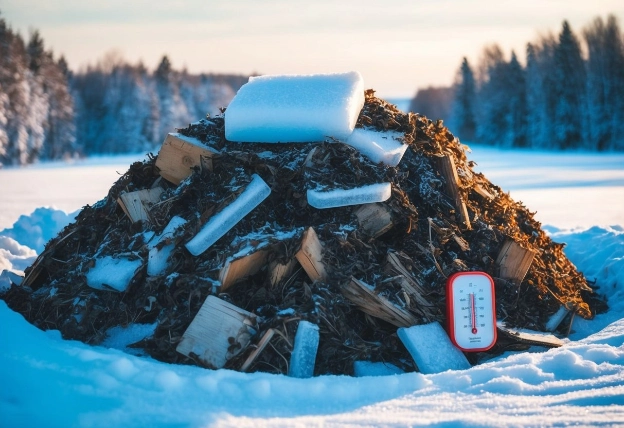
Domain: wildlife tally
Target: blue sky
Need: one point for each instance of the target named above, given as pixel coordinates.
(397, 45)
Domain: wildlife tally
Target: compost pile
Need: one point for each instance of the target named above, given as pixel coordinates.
(422, 231)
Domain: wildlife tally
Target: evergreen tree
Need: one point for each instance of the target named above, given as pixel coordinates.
(570, 90)
(517, 119)
(463, 116)
(605, 84)
(493, 108)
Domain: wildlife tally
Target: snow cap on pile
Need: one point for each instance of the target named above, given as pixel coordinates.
(295, 108)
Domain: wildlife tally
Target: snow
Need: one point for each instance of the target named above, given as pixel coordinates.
(48, 381)
(378, 146)
(378, 192)
(431, 348)
(111, 272)
(158, 257)
(304, 351)
(219, 224)
(295, 108)
(369, 368)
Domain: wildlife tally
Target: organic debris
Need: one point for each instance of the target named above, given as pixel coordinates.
(400, 251)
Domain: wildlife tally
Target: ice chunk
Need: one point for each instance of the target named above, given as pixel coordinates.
(157, 260)
(112, 273)
(218, 225)
(369, 368)
(304, 353)
(378, 192)
(295, 108)
(378, 146)
(431, 348)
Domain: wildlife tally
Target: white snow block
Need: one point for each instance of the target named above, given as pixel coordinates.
(295, 108)
(556, 318)
(157, 259)
(110, 273)
(369, 368)
(218, 225)
(378, 146)
(303, 355)
(378, 192)
(431, 348)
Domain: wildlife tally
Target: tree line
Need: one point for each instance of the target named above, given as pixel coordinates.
(48, 112)
(568, 95)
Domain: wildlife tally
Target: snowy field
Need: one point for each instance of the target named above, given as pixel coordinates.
(46, 381)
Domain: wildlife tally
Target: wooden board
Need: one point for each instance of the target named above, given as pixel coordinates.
(137, 204)
(449, 171)
(374, 219)
(279, 272)
(218, 332)
(368, 301)
(530, 337)
(310, 256)
(237, 270)
(410, 284)
(514, 261)
(179, 155)
(268, 335)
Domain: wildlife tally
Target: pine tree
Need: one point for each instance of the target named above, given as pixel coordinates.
(605, 84)
(569, 89)
(493, 107)
(517, 119)
(463, 116)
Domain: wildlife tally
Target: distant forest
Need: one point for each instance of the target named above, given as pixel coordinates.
(569, 95)
(48, 112)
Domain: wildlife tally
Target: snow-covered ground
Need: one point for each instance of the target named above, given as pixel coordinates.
(46, 381)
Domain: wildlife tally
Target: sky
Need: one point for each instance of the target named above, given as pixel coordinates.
(397, 45)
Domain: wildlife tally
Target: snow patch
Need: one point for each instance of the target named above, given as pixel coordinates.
(112, 273)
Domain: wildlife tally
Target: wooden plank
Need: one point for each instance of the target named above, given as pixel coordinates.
(410, 284)
(179, 155)
(530, 337)
(310, 256)
(266, 338)
(237, 270)
(374, 219)
(514, 261)
(137, 204)
(218, 332)
(279, 272)
(363, 296)
(449, 171)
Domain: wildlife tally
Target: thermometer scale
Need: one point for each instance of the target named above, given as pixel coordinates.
(471, 311)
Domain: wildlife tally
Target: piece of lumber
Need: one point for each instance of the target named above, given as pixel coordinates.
(374, 219)
(238, 269)
(530, 337)
(449, 171)
(365, 298)
(179, 154)
(409, 283)
(310, 256)
(218, 332)
(137, 204)
(278, 272)
(514, 261)
(431, 348)
(264, 341)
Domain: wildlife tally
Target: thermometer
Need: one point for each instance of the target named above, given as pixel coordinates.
(471, 311)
